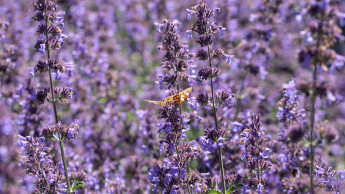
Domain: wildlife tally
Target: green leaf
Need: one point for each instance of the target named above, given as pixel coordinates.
(55, 139)
(305, 143)
(78, 185)
(317, 142)
(232, 189)
(213, 191)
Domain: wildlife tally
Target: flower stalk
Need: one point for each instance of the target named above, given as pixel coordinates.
(62, 150)
(52, 38)
(216, 123)
(312, 125)
(313, 110)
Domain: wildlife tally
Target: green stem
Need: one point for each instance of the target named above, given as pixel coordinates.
(312, 125)
(188, 188)
(222, 168)
(55, 112)
(60, 139)
(313, 110)
(188, 185)
(216, 122)
(180, 110)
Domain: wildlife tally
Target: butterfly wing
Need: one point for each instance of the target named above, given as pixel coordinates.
(186, 92)
(155, 102)
(179, 98)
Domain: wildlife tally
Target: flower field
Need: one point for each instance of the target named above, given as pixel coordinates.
(158, 96)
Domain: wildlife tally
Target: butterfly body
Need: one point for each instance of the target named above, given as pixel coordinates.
(176, 99)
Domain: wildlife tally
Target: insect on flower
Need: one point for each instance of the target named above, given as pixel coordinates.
(176, 99)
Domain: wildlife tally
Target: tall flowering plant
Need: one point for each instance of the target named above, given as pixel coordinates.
(206, 33)
(177, 153)
(292, 119)
(36, 159)
(320, 35)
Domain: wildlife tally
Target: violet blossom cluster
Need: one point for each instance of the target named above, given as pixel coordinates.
(255, 155)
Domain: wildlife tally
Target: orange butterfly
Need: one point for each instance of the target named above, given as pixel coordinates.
(176, 99)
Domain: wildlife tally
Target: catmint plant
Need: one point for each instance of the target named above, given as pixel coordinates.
(206, 33)
(172, 177)
(51, 38)
(320, 34)
(292, 118)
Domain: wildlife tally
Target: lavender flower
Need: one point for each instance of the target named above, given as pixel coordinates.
(36, 162)
(176, 54)
(255, 155)
(289, 111)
